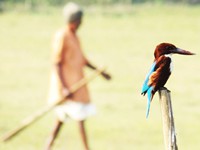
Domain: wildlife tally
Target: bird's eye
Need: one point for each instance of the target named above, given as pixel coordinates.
(169, 48)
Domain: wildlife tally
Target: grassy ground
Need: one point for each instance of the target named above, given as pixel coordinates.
(123, 39)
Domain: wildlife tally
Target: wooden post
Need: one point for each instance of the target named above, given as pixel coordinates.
(168, 120)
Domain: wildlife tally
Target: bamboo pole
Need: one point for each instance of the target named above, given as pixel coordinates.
(168, 120)
(36, 116)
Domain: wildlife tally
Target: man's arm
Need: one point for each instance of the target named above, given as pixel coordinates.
(104, 74)
(58, 60)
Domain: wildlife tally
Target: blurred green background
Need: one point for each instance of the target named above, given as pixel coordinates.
(121, 36)
(32, 4)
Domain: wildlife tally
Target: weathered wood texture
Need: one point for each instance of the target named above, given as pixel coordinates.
(168, 120)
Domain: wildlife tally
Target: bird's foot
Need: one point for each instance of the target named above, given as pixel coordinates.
(164, 88)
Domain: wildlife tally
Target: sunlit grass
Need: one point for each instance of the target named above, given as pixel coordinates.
(124, 41)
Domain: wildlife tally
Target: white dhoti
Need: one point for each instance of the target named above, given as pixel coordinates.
(75, 110)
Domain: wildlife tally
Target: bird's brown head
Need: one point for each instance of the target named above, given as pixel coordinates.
(167, 48)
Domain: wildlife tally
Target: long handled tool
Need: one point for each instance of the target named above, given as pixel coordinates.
(30, 120)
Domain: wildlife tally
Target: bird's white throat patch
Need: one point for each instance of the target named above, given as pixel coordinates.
(171, 64)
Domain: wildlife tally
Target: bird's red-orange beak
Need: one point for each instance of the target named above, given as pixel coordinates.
(182, 52)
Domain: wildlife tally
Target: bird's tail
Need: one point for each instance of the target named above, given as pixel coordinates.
(150, 96)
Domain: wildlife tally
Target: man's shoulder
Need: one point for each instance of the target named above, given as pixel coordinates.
(61, 34)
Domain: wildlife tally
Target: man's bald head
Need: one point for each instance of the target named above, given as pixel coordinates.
(72, 12)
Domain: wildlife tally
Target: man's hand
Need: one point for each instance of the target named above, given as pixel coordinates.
(106, 75)
(66, 93)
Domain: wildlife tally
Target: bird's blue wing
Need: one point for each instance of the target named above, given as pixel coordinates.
(149, 96)
(145, 86)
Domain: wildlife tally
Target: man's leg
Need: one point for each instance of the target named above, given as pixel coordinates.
(83, 134)
(53, 135)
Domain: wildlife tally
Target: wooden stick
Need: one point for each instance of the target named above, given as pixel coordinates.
(168, 120)
(36, 116)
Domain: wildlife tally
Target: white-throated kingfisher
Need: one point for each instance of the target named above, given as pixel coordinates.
(160, 70)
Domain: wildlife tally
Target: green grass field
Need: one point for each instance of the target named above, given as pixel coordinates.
(123, 39)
